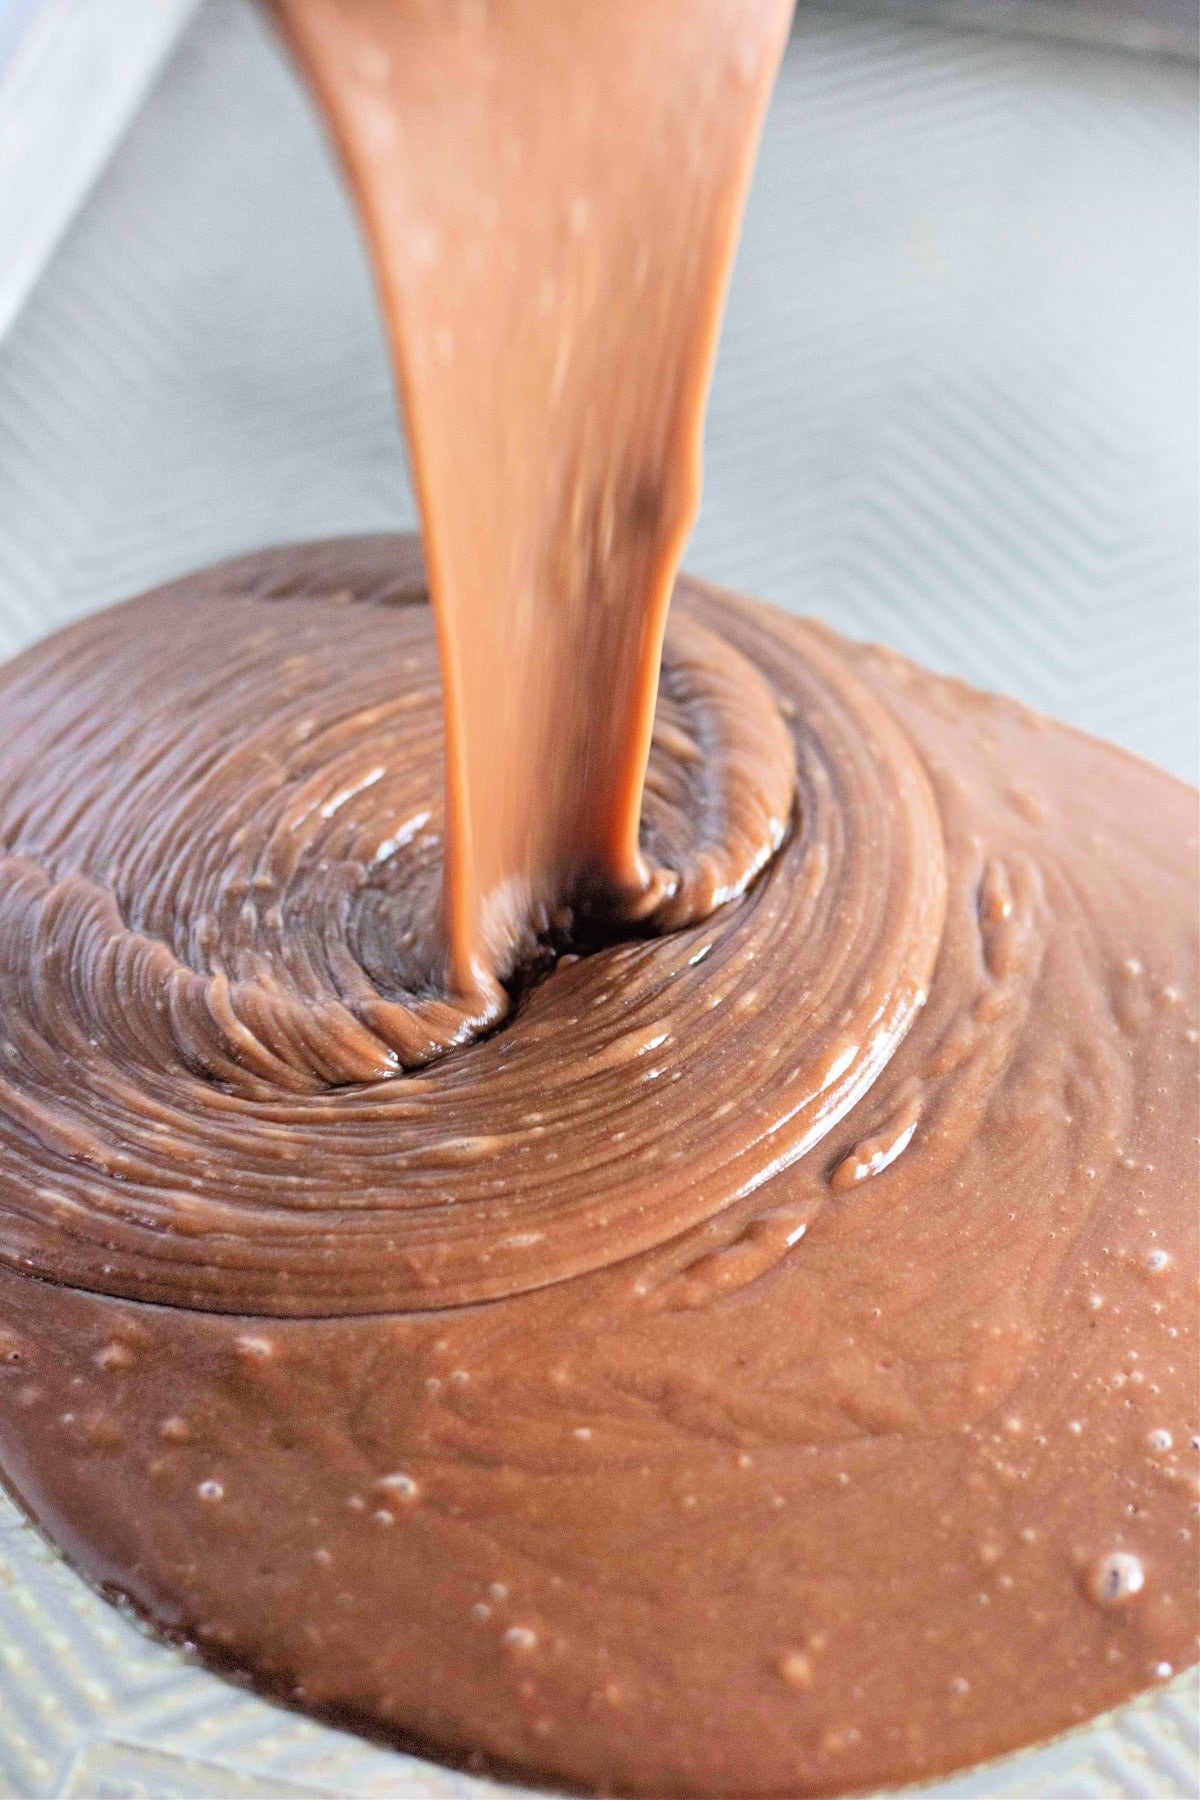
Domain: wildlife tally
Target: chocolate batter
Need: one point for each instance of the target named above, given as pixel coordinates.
(764, 1366)
(704, 1314)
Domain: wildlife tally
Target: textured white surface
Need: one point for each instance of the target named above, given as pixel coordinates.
(954, 410)
(78, 72)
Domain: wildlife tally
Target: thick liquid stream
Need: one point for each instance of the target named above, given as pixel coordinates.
(551, 194)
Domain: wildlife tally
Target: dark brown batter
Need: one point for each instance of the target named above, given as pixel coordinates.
(765, 1363)
(866, 1446)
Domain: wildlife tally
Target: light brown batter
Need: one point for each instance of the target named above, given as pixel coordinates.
(764, 1364)
(551, 193)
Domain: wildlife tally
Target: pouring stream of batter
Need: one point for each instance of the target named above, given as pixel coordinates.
(552, 195)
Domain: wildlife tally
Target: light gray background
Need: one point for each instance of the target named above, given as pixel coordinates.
(955, 406)
(955, 409)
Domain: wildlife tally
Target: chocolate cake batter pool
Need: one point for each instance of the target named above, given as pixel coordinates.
(704, 1312)
(764, 1365)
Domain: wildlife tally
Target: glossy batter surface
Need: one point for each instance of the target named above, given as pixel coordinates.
(763, 1365)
